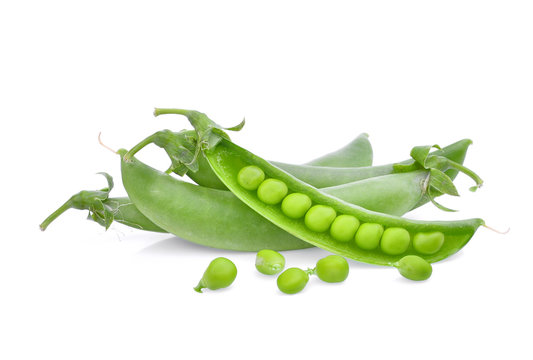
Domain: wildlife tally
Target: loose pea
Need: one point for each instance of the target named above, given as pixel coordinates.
(428, 243)
(395, 241)
(295, 205)
(220, 273)
(368, 236)
(272, 191)
(332, 269)
(292, 280)
(320, 217)
(344, 227)
(414, 267)
(269, 262)
(250, 177)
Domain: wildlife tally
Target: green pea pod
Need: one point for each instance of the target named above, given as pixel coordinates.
(227, 160)
(209, 217)
(357, 153)
(180, 147)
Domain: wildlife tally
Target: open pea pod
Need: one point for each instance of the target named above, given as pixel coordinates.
(431, 240)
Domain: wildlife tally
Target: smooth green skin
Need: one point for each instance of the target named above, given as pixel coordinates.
(344, 228)
(357, 153)
(227, 159)
(320, 217)
(295, 205)
(428, 243)
(321, 178)
(395, 241)
(250, 177)
(209, 217)
(269, 262)
(414, 268)
(272, 191)
(368, 236)
(292, 281)
(220, 274)
(332, 269)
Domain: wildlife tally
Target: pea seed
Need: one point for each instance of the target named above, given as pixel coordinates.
(220, 273)
(368, 236)
(395, 241)
(292, 280)
(320, 217)
(428, 243)
(332, 269)
(295, 205)
(414, 267)
(250, 177)
(269, 262)
(272, 191)
(344, 227)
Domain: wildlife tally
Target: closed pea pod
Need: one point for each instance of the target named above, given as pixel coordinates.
(269, 262)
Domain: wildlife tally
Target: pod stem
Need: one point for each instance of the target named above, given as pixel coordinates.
(67, 205)
(310, 271)
(199, 287)
(163, 111)
(139, 146)
(467, 172)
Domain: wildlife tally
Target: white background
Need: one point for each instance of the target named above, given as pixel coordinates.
(308, 76)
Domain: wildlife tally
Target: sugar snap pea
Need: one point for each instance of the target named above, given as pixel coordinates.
(104, 209)
(227, 159)
(180, 147)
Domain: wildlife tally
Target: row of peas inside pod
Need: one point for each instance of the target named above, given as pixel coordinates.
(222, 272)
(343, 228)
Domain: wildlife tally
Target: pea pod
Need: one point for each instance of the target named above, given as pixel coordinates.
(227, 159)
(180, 147)
(104, 209)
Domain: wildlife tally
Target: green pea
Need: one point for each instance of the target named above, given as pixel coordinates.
(395, 241)
(250, 177)
(414, 267)
(292, 280)
(344, 227)
(272, 191)
(428, 243)
(220, 273)
(269, 262)
(295, 205)
(332, 269)
(368, 236)
(320, 217)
